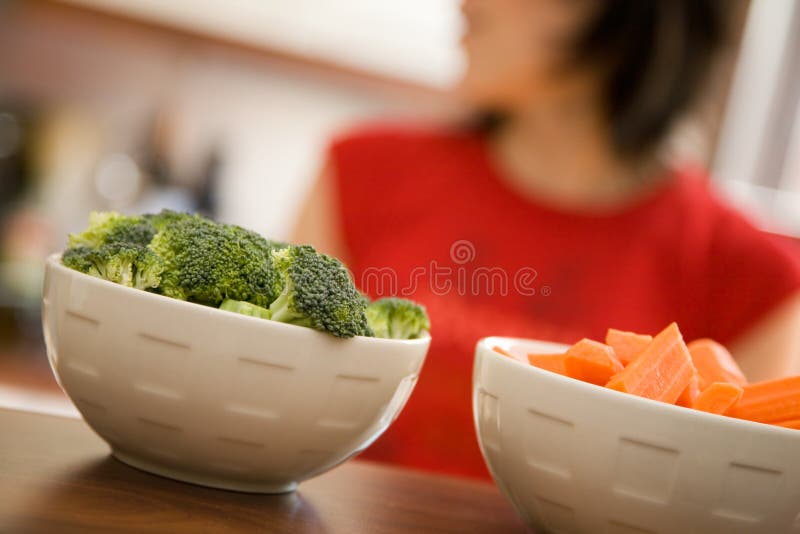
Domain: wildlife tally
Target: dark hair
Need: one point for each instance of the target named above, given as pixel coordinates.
(653, 57)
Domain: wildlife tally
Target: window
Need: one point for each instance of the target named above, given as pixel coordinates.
(758, 158)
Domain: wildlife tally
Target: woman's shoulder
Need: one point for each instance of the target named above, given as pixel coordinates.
(747, 271)
(704, 210)
(700, 201)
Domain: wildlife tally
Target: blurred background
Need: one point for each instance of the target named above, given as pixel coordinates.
(226, 108)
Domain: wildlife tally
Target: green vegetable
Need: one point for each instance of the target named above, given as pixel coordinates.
(244, 308)
(317, 292)
(397, 318)
(208, 262)
(111, 227)
(160, 221)
(123, 263)
(192, 258)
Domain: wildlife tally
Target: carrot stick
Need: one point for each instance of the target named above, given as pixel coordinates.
(770, 401)
(591, 362)
(714, 363)
(690, 393)
(549, 362)
(504, 352)
(792, 423)
(718, 398)
(627, 345)
(661, 372)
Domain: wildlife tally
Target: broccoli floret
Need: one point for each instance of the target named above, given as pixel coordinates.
(208, 262)
(318, 293)
(114, 247)
(83, 259)
(111, 227)
(149, 268)
(123, 263)
(161, 220)
(244, 308)
(397, 318)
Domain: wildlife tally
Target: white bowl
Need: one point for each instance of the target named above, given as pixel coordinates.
(574, 457)
(217, 398)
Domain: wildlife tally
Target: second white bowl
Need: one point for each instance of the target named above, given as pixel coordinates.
(575, 457)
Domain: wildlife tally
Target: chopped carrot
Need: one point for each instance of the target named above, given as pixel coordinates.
(504, 352)
(690, 393)
(627, 345)
(661, 372)
(791, 423)
(718, 398)
(549, 362)
(591, 361)
(770, 401)
(714, 363)
(702, 375)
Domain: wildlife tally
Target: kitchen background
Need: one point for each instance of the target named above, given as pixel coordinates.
(226, 108)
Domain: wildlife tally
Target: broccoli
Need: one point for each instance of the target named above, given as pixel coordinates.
(244, 308)
(189, 257)
(397, 318)
(84, 259)
(114, 247)
(209, 262)
(318, 293)
(160, 221)
(111, 227)
(123, 263)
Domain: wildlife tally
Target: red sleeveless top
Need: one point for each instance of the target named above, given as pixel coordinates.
(425, 215)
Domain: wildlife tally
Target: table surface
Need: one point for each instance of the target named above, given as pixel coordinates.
(56, 475)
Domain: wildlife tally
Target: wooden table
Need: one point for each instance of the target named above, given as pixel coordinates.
(57, 476)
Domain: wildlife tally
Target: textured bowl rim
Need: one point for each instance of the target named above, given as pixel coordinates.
(54, 262)
(486, 344)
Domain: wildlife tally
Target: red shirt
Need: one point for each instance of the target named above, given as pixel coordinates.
(427, 216)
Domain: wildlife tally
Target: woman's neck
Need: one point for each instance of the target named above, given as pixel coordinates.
(561, 153)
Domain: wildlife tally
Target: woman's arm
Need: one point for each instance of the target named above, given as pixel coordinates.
(771, 348)
(319, 223)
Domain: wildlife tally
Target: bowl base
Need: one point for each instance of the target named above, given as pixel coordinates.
(201, 480)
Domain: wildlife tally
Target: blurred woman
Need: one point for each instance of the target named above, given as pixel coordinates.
(554, 216)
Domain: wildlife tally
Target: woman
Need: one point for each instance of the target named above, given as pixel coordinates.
(555, 218)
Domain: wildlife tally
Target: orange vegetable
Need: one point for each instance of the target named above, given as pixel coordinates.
(702, 375)
(718, 398)
(504, 352)
(770, 401)
(714, 363)
(549, 362)
(792, 423)
(690, 393)
(592, 362)
(661, 372)
(627, 345)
